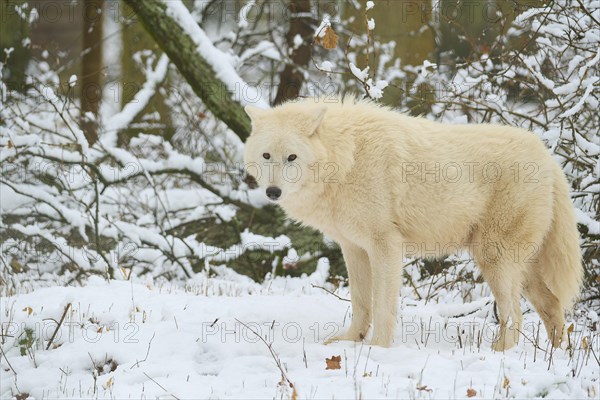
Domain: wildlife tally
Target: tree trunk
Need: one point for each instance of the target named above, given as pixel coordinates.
(182, 51)
(291, 78)
(91, 69)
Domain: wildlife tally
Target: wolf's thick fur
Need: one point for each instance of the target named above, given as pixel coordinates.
(386, 186)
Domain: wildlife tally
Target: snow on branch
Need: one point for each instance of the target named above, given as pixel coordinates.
(126, 116)
(208, 70)
(221, 62)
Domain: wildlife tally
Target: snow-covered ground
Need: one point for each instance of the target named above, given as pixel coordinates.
(122, 339)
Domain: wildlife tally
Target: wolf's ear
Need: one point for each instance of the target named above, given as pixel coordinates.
(314, 120)
(254, 112)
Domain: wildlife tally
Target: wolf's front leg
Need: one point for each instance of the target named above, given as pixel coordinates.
(359, 274)
(385, 256)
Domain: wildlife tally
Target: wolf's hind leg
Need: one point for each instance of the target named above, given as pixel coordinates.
(547, 306)
(359, 274)
(506, 279)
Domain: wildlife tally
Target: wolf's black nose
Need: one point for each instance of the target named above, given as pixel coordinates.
(273, 192)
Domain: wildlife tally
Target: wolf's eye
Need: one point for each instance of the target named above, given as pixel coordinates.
(266, 156)
(292, 157)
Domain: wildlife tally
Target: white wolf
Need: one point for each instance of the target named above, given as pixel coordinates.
(386, 186)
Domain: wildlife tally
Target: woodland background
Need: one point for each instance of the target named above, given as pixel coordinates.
(122, 122)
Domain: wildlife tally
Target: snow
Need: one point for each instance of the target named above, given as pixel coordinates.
(592, 225)
(567, 88)
(321, 29)
(123, 118)
(361, 75)
(534, 69)
(80, 138)
(376, 89)
(171, 336)
(371, 24)
(200, 341)
(327, 66)
(264, 48)
(578, 106)
(298, 41)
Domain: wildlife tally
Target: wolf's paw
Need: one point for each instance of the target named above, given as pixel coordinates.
(348, 336)
(503, 343)
(560, 342)
(381, 341)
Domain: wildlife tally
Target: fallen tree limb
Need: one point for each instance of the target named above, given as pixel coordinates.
(197, 71)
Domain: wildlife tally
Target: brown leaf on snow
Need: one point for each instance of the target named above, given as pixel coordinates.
(424, 388)
(329, 39)
(109, 383)
(471, 392)
(335, 362)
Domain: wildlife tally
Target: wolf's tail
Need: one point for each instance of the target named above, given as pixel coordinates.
(560, 253)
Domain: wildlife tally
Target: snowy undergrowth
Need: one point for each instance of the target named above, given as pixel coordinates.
(126, 339)
(71, 209)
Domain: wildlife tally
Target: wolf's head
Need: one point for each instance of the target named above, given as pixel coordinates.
(284, 151)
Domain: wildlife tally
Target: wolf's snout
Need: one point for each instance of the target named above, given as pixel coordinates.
(273, 192)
